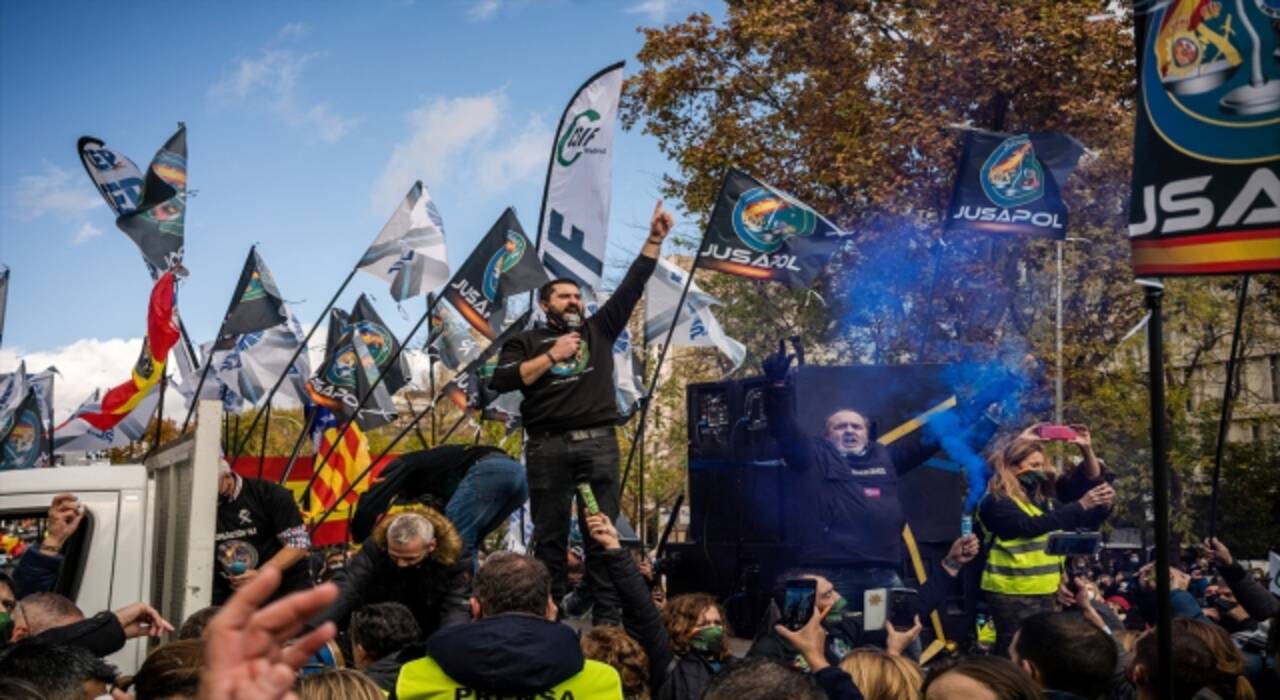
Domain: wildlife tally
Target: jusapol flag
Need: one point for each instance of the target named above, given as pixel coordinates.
(697, 327)
(454, 342)
(13, 391)
(256, 303)
(348, 371)
(410, 251)
(26, 443)
(158, 223)
(763, 233)
(502, 265)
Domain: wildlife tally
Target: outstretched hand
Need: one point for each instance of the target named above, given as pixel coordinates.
(603, 531)
(245, 656)
(776, 366)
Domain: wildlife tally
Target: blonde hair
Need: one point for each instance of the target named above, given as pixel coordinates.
(338, 684)
(1004, 462)
(1228, 660)
(882, 676)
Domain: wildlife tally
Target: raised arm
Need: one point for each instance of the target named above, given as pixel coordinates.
(612, 316)
(797, 448)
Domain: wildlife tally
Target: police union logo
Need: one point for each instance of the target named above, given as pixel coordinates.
(22, 447)
(1211, 78)
(506, 258)
(575, 364)
(342, 372)
(577, 138)
(1012, 175)
(764, 220)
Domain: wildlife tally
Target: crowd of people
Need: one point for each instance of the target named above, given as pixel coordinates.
(420, 610)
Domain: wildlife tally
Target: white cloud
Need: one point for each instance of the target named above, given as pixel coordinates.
(273, 81)
(83, 366)
(482, 10)
(87, 233)
(293, 30)
(55, 192)
(655, 10)
(463, 139)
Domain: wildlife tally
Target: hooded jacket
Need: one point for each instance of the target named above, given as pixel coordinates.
(436, 591)
(512, 655)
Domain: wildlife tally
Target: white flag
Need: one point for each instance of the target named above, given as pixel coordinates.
(409, 251)
(76, 435)
(698, 327)
(1273, 570)
(628, 382)
(575, 207)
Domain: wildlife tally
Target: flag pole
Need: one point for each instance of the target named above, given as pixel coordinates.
(297, 353)
(297, 446)
(266, 432)
(422, 438)
(662, 352)
(1160, 484)
(431, 375)
(342, 431)
(1224, 421)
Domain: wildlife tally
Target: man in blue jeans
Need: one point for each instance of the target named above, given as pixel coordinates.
(475, 487)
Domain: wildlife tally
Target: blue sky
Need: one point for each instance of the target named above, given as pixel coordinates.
(307, 121)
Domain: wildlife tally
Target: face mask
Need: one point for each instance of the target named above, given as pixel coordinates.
(708, 640)
(836, 614)
(570, 320)
(1030, 480)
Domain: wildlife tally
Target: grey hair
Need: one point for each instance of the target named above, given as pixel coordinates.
(410, 526)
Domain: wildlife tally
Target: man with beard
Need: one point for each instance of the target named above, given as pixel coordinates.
(565, 372)
(415, 558)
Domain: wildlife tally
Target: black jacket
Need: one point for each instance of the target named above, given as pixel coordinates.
(101, 634)
(845, 510)
(425, 475)
(689, 678)
(640, 617)
(574, 394)
(1003, 518)
(436, 591)
(508, 655)
(1253, 597)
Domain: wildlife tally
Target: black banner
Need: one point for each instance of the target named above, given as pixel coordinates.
(761, 233)
(502, 265)
(1206, 194)
(1012, 183)
(256, 303)
(158, 224)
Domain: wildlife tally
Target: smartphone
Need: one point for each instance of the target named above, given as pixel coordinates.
(798, 601)
(966, 525)
(589, 498)
(875, 605)
(1073, 543)
(1057, 432)
(903, 604)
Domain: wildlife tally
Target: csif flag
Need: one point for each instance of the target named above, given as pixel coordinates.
(501, 266)
(157, 223)
(410, 252)
(1205, 194)
(698, 327)
(1012, 183)
(763, 233)
(256, 304)
(573, 226)
(162, 333)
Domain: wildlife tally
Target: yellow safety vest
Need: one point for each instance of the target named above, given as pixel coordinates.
(1020, 566)
(425, 679)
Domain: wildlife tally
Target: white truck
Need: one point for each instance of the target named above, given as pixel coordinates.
(148, 530)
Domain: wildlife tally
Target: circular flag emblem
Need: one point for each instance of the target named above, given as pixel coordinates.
(764, 220)
(1012, 176)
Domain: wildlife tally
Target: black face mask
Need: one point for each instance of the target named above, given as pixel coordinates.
(563, 322)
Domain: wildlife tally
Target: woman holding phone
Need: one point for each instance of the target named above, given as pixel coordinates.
(1026, 500)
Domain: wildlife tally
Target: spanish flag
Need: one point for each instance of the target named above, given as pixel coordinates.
(162, 334)
(1208, 254)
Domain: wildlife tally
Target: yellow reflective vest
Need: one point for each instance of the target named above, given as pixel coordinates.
(425, 679)
(1020, 566)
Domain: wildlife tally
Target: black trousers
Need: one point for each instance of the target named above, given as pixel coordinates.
(556, 465)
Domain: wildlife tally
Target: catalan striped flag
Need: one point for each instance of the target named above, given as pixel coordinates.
(346, 463)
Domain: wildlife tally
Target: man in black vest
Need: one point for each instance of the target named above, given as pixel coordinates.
(565, 371)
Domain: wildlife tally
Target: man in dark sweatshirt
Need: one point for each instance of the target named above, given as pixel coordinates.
(565, 372)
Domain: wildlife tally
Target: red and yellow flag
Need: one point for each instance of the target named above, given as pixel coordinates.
(347, 462)
(162, 334)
